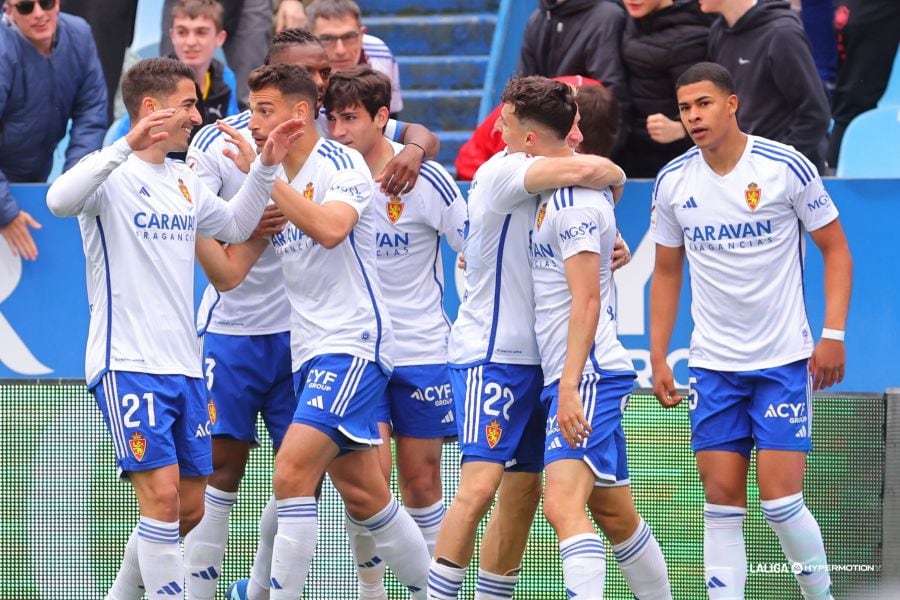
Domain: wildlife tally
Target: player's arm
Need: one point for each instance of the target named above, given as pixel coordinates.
(665, 287)
(582, 276)
(828, 360)
(583, 170)
(400, 174)
(227, 266)
(329, 223)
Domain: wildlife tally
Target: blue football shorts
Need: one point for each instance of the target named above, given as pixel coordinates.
(418, 402)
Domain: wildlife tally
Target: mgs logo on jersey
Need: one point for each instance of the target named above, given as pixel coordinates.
(138, 445)
(184, 191)
(585, 228)
(752, 195)
(394, 209)
(492, 432)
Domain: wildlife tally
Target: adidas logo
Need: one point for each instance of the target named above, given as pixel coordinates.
(570, 593)
(170, 589)
(316, 402)
(555, 444)
(143, 192)
(691, 203)
(448, 418)
(273, 583)
(715, 582)
(207, 574)
(802, 433)
(376, 560)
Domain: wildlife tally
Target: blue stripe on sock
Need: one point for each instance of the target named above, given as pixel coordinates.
(587, 547)
(624, 554)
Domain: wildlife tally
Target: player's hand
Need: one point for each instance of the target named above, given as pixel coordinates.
(244, 156)
(400, 174)
(273, 221)
(621, 254)
(826, 366)
(664, 130)
(19, 238)
(574, 428)
(290, 15)
(664, 386)
(140, 137)
(279, 141)
(603, 174)
(461, 261)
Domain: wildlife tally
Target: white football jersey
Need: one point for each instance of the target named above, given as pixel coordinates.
(408, 247)
(496, 316)
(259, 304)
(138, 223)
(570, 221)
(744, 237)
(336, 302)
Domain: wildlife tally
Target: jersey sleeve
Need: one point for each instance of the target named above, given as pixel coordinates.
(351, 186)
(444, 207)
(814, 206)
(507, 182)
(664, 228)
(204, 158)
(578, 228)
(80, 190)
(235, 221)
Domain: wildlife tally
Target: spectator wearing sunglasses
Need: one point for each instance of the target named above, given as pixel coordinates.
(49, 74)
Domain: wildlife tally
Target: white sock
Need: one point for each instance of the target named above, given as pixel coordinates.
(294, 546)
(401, 545)
(724, 555)
(159, 554)
(261, 572)
(369, 566)
(584, 566)
(491, 586)
(204, 546)
(429, 520)
(128, 584)
(643, 565)
(444, 581)
(801, 541)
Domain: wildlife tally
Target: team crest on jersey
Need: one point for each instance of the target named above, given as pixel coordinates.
(184, 190)
(752, 195)
(138, 444)
(308, 191)
(394, 209)
(493, 432)
(542, 212)
(211, 407)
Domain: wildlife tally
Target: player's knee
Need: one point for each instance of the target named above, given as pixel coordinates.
(227, 476)
(475, 499)
(724, 492)
(617, 525)
(560, 508)
(421, 488)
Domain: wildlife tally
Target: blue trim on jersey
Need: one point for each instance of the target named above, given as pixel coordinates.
(336, 155)
(433, 175)
(774, 157)
(593, 355)
(215, 303)
(496, 316)
(563, 197)
(398, 131)
(437, 257)
(802, 267)
(672, 166)
(108, 297)
(798, 159)
(204, 139)
(362, 268)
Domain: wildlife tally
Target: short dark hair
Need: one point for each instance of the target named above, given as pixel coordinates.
(360, 84)
(599, 123)
(195, 9)
(332, 9)
(290, 80)
(283, 40)
(155, 77)
(541, 100)
(707, 71)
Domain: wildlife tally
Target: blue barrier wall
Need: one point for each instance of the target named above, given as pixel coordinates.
(44, 313)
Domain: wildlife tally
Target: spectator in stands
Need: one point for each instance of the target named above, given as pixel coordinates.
(868, 33)
(338, 24)
(818, 22)
(290, 14)
(49, 73)
(112, 22)
(764, 47)
(248, 24)
(569, 37)
(197, 30)
(599, 123)
(662, 38)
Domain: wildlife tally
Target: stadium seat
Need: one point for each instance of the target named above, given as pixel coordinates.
(871, 145)
(891, 96)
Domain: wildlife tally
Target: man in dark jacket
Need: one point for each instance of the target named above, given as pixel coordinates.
(49, 73)
(662, 39)
(765, 48)
(578, 37)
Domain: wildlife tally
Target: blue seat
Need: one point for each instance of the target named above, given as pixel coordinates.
(891, 96)
(871, 145)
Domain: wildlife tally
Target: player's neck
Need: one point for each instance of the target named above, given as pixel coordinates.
(552, 150)
(723, 157)
(299, 153)
(154, 154)
(379, 156)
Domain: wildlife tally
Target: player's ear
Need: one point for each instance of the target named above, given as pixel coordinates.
(732, 103)
(382, 116)
(301, 109)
